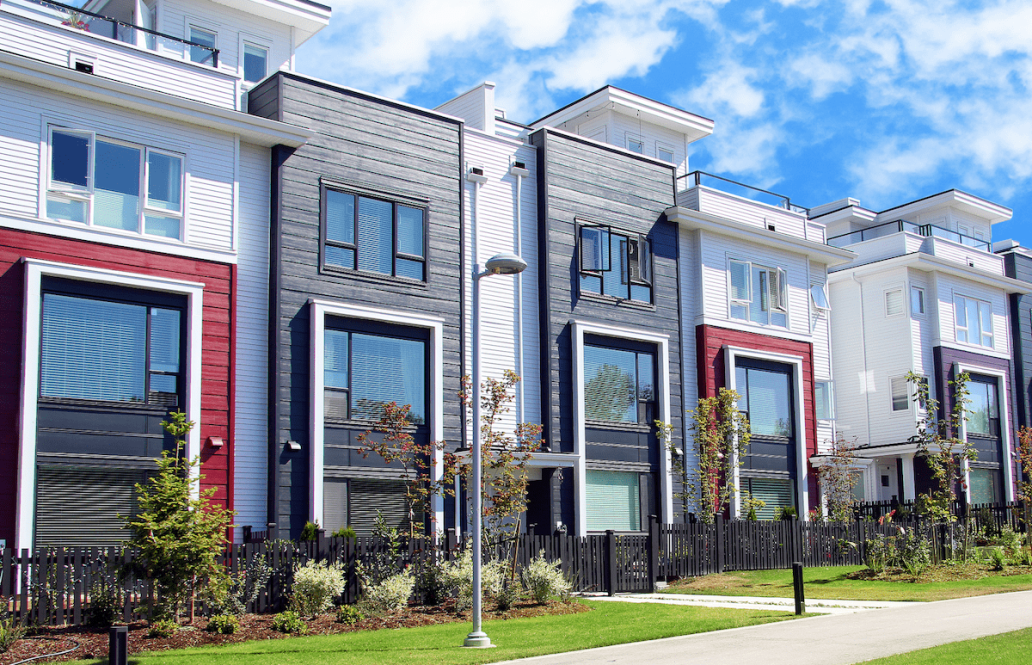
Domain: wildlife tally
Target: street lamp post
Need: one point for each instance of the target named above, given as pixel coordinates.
(500, 264)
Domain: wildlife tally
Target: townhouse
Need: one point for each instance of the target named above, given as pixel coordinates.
(134, 199)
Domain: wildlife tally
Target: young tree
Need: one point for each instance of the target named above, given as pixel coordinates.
(720, 436)
(837, 478)
(179, 537)
(940, 443)
(1025, 461)
(396, 444)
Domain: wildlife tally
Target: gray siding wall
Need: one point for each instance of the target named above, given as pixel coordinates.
(379, 146)
(581, 180)
(1019, 266)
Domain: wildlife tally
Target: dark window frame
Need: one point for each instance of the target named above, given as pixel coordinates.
(742, 362)
(394, 200)
(129, 296)
(647, 410)
(995, 432)
(645, 274)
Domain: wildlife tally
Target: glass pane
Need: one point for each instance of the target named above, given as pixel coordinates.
(646, 377)
(374, 235)
(255, 58)
(384, 370)
(979, 408)
(972, 317)
(594, 248)
(770, 403)
(159, 225)
(409, 268)
(340, 218)
(93, 349)
(664, 154)
(610, 388)
(340, 256)
(613, 501)
(821, 397)
(641, 293)
(335, 359)
(960, 314)
(739, 281)
(164, 339)
(635, 145)
(614, 282)
(163, 390)
(69, 158)
(164, 181)
(779, 319)
(116, 194)
(590, 284)
(820, 299)
(986, 318)
(984, 485)
(758, 307)
(739, 312)
(916, 300)
(900, 393)
(775, 493)
(335, 403)
(410, 231)
(61, 208)
(204, 38)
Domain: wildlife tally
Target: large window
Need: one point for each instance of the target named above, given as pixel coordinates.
(619, 385)
(108, 350)
(108, 183)
(758, 294)
(365, 370)
(766, 399)
(615, 264)
(374, 235)
(974, 320)
(613, 500)
(983, 411)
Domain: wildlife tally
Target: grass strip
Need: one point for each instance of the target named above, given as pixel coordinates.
(608, 623)
(1004, 649)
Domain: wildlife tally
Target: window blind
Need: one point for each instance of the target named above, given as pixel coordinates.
(613, 501)
(775, 492)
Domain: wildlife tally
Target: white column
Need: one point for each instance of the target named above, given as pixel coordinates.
(908, 490)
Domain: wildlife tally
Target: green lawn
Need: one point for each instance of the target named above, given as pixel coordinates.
(1006, 649)
(830, 583)
(607, 623)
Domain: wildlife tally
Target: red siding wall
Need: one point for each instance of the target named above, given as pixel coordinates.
(216, 372)
(710, 342)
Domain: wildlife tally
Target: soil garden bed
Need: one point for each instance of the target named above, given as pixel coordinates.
(948, 572)
(94, 643)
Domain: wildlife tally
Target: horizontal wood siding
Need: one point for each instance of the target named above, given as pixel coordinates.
(948, 287)
(1019, 266)
(382, 147)
(215, 370)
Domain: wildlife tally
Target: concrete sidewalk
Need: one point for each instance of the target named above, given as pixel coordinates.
(840, 639)
(817, 606)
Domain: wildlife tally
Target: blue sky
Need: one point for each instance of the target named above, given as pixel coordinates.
(882, 101)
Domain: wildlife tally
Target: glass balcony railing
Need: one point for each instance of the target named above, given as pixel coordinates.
(901, 225)
(696, 178)
(96, 24)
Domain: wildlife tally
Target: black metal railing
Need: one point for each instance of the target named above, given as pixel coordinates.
(901, 225)
(696, 178)
(98, 24)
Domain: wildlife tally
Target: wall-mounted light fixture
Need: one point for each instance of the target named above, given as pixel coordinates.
(293, 445)
(215, 442)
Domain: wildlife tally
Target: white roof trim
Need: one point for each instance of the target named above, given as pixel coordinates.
(954, 198)
(929, 263)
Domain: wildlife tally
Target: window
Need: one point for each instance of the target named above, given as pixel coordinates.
(758, 294)
(665, 153)
(894, 302)
(917, 301)
(619, 385)
(900, 389)
(985, 486)
(983, 412)
(374, 235)
(776, 493)
(819, 298)
(635, 144)
(255, 62)
(365, 370)
(109, 350)
(613, 500)
(765, 397)
(203, 37)
(974, 320)
(824, 400)
(615, 264)
(103, 182)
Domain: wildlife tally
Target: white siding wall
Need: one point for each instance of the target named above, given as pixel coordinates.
(469, 106)
(822, 369)
(964, 255)
(209, 158)
(947, 287)
(496, 230)
(886, 247)
(689, 271)
(653, 137)
(847, 343)
(742, 210)
(251, 443)
(923, 327)
(116, 60)
(716, 250)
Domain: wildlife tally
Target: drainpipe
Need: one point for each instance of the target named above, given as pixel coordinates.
(863, 346)
(520, 173)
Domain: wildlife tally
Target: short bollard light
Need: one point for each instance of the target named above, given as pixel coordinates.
(118, 646)
(797, 583)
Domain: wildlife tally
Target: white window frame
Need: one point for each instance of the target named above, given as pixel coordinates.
(902, 302)
(892, 394)
(257, 42)
(318, 311)
(35, 270)
(86, 194)
(830, 392)
(191, 24)
(662, 342)
(1002, 396)
(959, 302)
(665, 148)
(636, 139)
(918, 300)
(777, 276)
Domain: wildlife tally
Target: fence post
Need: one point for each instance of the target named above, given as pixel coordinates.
(653, 551)
(718, 534)
(272, 533)
(611, 572)
(451, 542)
(247, 533)
(320, 544)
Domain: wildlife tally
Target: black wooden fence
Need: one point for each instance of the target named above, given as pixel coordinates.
(53, 586)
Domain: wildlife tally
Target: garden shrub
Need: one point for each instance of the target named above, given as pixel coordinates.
(545, 580)
(510, 594)
(105, 605)
(315, 587)
(349, 615)
(389, 595)
(10, 633)
(881, 552)
(289, 622)
(786, 513)
(913, 552)
(223, 624)
(458, 574)
(997, 558)
(345, 532)
(432, 581)
(163, 628)
(309, 532)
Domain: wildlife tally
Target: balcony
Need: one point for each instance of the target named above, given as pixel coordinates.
(903, 226)
(901, 237)
(114, 48)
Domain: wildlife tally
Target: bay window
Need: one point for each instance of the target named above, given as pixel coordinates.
(103, 182)
(758, 294)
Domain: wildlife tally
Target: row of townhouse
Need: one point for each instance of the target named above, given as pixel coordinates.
(188, 223)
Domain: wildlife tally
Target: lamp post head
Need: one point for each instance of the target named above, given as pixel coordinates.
(505, 264)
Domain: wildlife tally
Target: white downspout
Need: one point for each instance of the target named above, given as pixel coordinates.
(520, 416)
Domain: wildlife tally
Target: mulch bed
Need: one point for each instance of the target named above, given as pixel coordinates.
(94, 644)
(941, 573)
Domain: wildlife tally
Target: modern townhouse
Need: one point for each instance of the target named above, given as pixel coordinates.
(134, 203)
(925, 294)
(1017, 263)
